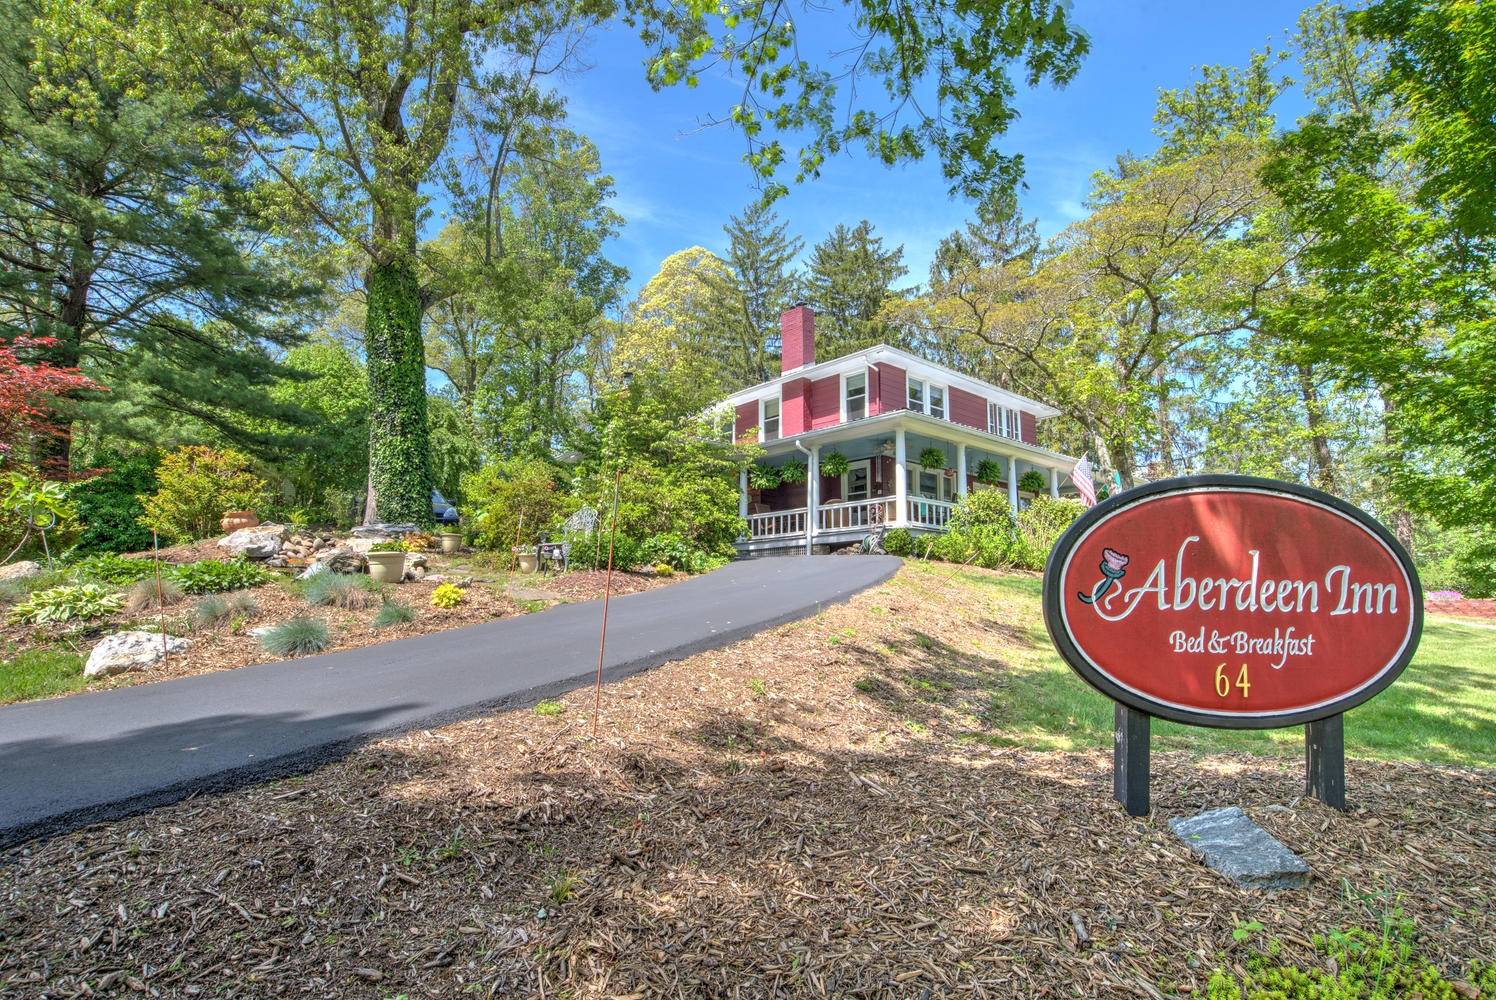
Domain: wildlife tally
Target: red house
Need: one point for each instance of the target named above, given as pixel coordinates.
(881, 410)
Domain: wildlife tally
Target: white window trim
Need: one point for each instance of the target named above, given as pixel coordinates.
(865, 381)
(762, 418)
(925, 386)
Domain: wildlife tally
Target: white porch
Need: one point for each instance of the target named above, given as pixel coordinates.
(907, 496)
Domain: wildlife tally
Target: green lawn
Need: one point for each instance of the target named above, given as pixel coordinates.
(39, 674)
(1441, 710)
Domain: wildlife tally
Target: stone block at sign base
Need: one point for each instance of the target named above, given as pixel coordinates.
(130, 651)
(1241, 850)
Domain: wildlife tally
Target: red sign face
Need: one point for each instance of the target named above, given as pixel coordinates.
(1232, 602)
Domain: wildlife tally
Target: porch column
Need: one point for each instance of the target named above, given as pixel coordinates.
(1013, 483)
(1054, 483)
(812, 497)
(743, 493)
(900, 487)
(960, 470)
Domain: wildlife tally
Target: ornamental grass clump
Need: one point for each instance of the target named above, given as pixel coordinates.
(213, 612)
(448, 595)
(394, 613)
(301, 636)
(334, 590)
(146, 596)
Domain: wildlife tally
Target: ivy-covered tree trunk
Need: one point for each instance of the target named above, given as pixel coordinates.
(399, 437)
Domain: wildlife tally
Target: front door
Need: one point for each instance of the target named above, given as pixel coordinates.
(857, 488)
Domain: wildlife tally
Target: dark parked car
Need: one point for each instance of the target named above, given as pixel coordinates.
(442, 510)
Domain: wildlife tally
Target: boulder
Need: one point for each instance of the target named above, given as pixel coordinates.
(312, 570)
(346, 561)
(130, 651)
(19, 570)
(260, 542)
(383, 531)
(415, 574)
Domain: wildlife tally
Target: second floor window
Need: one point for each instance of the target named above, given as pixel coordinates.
(1003, 422)
(770, 419)
(927, 398)
(916, 395)
(856, 396)
(937, 401)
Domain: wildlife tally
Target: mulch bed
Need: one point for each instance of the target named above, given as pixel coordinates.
(1463, 608)
(748, 823)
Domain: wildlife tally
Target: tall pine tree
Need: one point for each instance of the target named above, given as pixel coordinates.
(762, 285)
(850, 277)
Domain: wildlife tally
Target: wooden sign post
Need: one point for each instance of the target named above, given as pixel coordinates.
(1235, 603)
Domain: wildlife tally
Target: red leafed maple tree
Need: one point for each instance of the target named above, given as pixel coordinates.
(27, 389)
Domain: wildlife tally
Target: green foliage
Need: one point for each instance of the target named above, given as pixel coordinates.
(1462, 559)
(546, 707)
(898, 542)
(502, 492)
(399, 434)
(447, 595)
(1033, 481)
(394, 613)
(1040, 525)
(331, 462)
(198, 486)
(792, 471)
(982, 529)
(60, 604)
(664, 570)
(850, 278)
(675, 551)
(300, 636)
(745, 304)
(210, 576)
(834, 463)
(40, 673)
(109, 506)
(337, 590)
(932, 458)
(394, 545)
(116, 571)
(990, 471)
(215, 612)
(763, 477)
(27, 504)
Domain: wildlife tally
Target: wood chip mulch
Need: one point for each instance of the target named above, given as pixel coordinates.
(748, 823)
(1465, 607)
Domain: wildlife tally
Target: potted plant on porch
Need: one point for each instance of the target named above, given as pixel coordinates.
(1033, 482)
(989, 471)
(792, 471)
(834, 463)
(932, 458)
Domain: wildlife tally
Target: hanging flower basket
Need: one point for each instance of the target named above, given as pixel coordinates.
(834, 463)
(763, 477)
(792, 471)
(989, 471)
(932, 458)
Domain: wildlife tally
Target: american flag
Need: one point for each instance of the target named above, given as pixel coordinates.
(1081, 477)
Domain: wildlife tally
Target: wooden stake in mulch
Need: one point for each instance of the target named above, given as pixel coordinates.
(597, 697)
(160, 598)
(514, 552)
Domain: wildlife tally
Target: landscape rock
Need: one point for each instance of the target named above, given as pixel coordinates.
(124, 651)
(415, 574)
(346, 561)
(261, 631)
(260, 542)
(312, 570)
(415, 560)
(1241, 850)
(20, 570)
(383, 531)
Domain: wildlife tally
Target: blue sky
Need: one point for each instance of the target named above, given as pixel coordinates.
(678, 184)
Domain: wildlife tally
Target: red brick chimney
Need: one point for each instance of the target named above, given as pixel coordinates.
(797, 331)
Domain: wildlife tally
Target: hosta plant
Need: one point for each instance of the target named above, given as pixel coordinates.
(60, 604)
(211, 576)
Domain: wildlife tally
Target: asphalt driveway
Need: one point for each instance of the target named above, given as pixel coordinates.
(67, 762)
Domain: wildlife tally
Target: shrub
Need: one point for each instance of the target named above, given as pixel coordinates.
(981, 523)
(59, 604)
(502, 492)
(677, 552)
(27, 504)
(338, 591)
(113, 570)
(146, 596)
(1041, 524)
(448, 595)
(898, 542)
(213, 612)
(664, 569)
(300, 636)
(211, 576)
(394, 613)
(417, 542)
(198, 486)
(109, 506)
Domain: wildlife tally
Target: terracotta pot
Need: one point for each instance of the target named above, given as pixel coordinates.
(386, 567)
(527, 562)
(451, 541)
(236, 519)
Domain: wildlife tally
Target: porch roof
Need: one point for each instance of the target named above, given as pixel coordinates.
(884, 424)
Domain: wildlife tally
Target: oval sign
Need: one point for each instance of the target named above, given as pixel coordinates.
(1232, 602)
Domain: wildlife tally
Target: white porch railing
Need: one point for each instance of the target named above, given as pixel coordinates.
(774, 523)
(929, 513)
(863, 514)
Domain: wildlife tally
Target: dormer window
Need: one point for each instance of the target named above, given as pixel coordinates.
(768, 419)
(854, 397)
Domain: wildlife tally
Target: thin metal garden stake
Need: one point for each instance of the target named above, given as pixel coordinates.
(597, 697)
(160, 599)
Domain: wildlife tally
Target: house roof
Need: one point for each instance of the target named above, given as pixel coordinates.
(883, 354)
